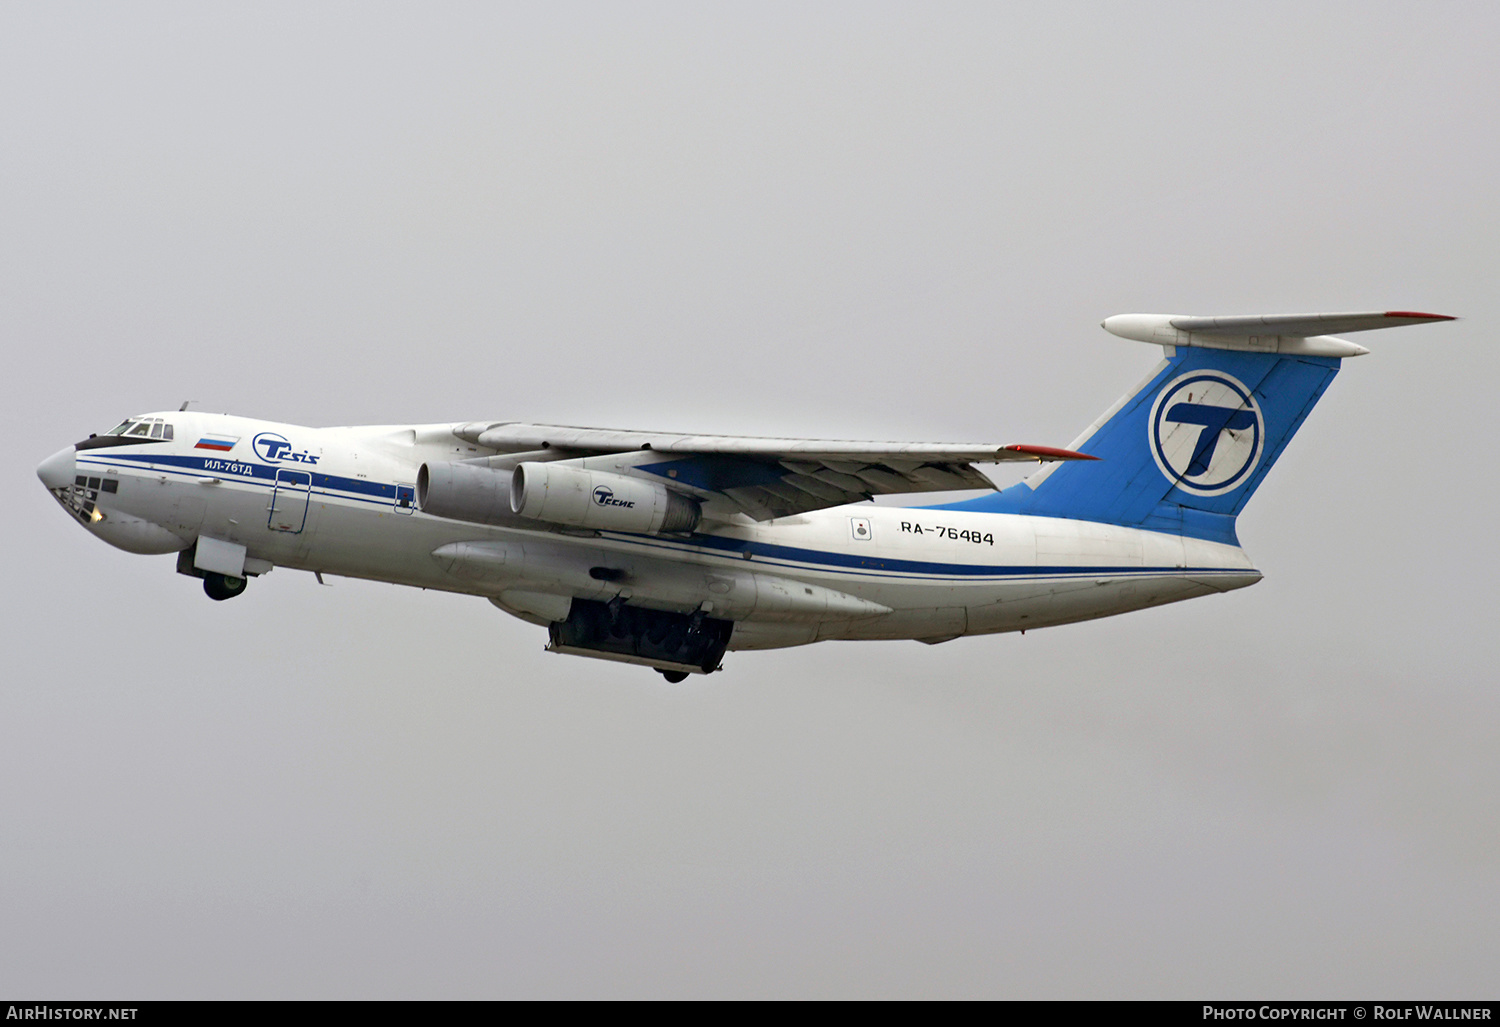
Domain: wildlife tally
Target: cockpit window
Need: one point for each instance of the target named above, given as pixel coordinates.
(146, 427)
(130, 430)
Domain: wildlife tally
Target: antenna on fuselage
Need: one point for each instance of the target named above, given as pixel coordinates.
(184, 405)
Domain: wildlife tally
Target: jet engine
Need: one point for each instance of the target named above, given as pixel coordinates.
(598, 499)
(464, 492)
(556, 493)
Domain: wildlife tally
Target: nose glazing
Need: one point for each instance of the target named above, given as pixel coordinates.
(58, 470)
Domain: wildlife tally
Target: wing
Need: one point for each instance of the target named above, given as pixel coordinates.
(761, 477)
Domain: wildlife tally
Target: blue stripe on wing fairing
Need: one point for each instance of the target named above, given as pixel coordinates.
(717, 473)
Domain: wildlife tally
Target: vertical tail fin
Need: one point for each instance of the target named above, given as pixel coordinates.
(1188, 447)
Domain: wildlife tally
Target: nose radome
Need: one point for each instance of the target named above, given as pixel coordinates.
(58, 470)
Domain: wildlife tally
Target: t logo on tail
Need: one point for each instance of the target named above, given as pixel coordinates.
(1206, 432)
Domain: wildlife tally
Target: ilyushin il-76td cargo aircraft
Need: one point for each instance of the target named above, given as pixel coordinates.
(668, 550)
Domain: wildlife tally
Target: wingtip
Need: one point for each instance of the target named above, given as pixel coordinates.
(1050, 453)
(1418, 315)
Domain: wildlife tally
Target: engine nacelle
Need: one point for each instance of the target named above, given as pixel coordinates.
(465, 492)
(598, 499)
(554, 493)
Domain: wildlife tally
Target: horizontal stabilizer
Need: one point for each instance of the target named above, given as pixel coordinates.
(1287, 334)
(1303, 325)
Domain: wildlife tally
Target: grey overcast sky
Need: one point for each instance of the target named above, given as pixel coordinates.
(833, 220)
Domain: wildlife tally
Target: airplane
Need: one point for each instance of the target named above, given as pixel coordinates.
(668, 550)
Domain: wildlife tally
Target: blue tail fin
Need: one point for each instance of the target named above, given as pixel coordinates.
(1187, 449)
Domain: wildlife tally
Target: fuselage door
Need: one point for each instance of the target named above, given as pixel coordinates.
(289, 501)
(406, 498)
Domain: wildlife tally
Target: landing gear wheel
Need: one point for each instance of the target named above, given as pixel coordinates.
(219, 587)
(673, 676)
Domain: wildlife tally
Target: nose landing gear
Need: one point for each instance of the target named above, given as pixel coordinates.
(220, 586)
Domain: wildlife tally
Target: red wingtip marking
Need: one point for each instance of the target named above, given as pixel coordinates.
(1050, 453)
(1416, 313)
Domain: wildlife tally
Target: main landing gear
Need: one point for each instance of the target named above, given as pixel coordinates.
(220, 586)
(684, 642)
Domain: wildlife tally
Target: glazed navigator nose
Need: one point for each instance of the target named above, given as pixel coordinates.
(58, 470)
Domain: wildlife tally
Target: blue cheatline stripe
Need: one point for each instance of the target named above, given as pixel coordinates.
(260, 474)
(875, 567)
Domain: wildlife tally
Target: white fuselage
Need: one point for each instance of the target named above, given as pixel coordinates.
(341, 501)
